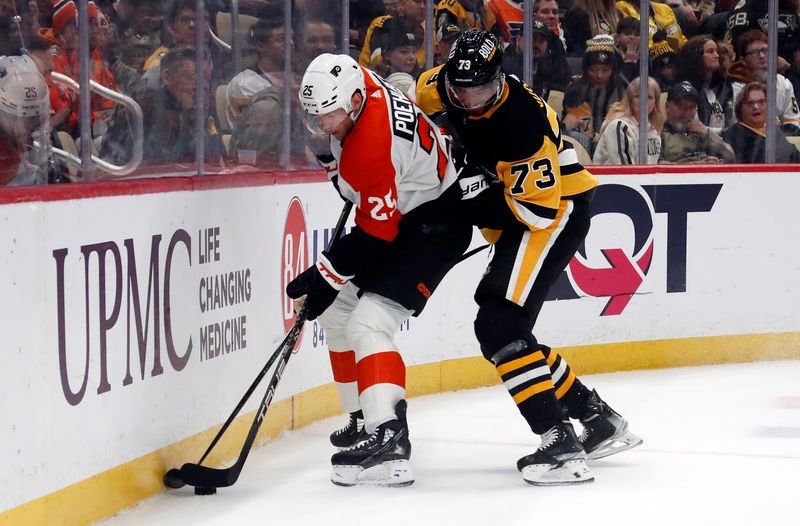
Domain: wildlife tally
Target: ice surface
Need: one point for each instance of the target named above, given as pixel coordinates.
(721, 446)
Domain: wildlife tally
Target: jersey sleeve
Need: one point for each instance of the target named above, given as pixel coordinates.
(534, 188)
(788, 112)
(372, 44)
(533, 185)
(427, 95)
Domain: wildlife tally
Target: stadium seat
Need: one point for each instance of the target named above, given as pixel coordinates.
(226, 142)
(556, 101)
(224, 28)
(795, 141)
(583, 156)
(222, 108)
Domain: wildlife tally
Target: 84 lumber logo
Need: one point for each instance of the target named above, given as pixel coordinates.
(625, 270)
(294, 258)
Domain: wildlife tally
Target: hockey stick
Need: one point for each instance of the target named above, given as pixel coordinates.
(206, 479)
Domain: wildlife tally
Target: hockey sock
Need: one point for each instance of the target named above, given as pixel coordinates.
(343, 365)
(527, 377)
(569, 389)
(381, 384)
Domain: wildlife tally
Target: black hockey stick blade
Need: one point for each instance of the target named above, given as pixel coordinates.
(203, 477)
(261, 374)
(207, 477)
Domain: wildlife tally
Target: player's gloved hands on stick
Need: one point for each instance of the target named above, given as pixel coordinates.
(320, 284)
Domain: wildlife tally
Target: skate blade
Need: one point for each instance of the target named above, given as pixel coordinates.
(395, 473)
(616, 444)
(568, 473)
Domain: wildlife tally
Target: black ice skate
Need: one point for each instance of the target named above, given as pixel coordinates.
(559, 461)
(380, 460)
(605, 432)
(351, 434)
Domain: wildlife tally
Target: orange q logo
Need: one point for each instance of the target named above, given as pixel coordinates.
(294, 255)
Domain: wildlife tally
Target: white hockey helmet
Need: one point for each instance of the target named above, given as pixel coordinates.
(329, 83)
(23, 91)
(25, 109)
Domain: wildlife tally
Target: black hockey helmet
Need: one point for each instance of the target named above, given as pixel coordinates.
(474, 62)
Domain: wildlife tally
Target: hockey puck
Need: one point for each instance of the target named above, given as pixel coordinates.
(205, 491)
(173, 480)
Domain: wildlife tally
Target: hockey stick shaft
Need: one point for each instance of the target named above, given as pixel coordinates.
(203, 476)
(245, 398)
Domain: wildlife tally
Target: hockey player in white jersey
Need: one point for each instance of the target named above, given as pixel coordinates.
(390, 161)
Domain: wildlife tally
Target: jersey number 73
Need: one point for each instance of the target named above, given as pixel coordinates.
(542, 169)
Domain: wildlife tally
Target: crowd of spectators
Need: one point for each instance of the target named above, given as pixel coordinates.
(708, 67)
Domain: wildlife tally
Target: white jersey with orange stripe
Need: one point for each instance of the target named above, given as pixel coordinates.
(392, 161)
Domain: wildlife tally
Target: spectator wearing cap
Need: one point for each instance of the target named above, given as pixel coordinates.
(698, 62)
(587, 100)
(685, 139)
(619, 137)
(410, 12)
(550, 66)
(661, 17)
(587, 19)
(748, 136)
(466, 14)
(400, 46)
(445, 38)
(752, 67)
(663, 62)
(269, 39)
(63, 36)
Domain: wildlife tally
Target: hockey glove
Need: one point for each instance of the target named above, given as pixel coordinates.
(320, 284)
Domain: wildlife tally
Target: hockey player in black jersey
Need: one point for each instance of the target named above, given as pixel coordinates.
(536, 212)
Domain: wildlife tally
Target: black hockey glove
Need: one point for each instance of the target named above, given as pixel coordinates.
(320, 284)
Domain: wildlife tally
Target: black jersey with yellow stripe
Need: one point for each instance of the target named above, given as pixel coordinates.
(518, 140)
